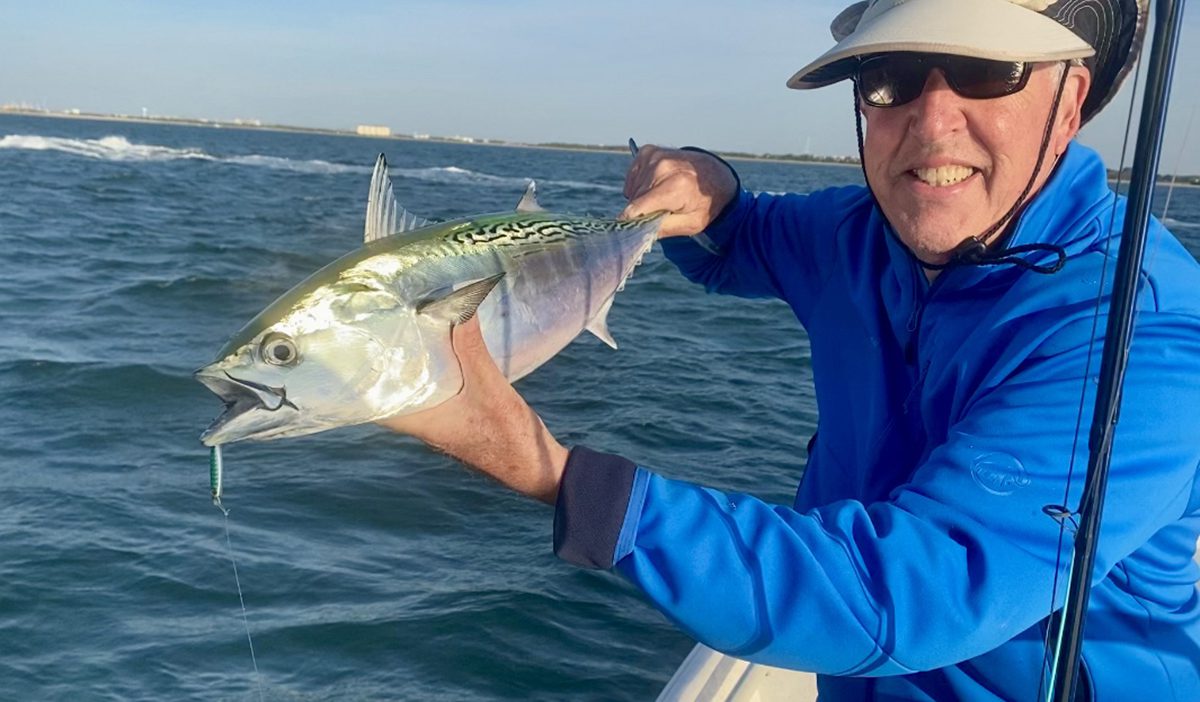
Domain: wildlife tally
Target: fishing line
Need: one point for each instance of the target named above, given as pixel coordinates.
(242, 601)
(1063, 514)
(1187, 130)
(1156, 246)
(216, 472)
(1178, 159)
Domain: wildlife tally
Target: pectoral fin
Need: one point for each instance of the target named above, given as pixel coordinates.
(459, 305)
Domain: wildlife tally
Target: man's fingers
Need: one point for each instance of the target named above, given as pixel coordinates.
(467, 338)
(476, 362)
(468, 344)
(635, 208)
(667, 192)
(635, 176)
(676, 195)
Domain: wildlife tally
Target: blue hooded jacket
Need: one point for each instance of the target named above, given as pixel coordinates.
(917, 562)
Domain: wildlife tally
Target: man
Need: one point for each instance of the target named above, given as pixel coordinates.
(952, 312)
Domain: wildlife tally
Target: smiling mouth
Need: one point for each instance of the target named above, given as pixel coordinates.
(942, 176)
(240, 397)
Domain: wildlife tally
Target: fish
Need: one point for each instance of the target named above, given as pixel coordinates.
(368, 336)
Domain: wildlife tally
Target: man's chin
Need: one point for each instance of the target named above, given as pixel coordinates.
(935, 245)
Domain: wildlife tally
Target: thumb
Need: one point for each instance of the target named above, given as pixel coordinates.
(472, 353)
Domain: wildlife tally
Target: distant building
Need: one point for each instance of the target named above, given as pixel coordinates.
(374, 130)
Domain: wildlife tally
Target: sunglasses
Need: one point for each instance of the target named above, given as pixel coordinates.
(894, 79)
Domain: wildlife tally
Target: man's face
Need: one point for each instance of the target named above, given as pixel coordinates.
(945, 167)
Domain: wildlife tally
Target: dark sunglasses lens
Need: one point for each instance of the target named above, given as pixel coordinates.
(981, 79)
(886, 81)
(895, 79)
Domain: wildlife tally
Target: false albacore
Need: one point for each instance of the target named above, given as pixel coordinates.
(368, 336)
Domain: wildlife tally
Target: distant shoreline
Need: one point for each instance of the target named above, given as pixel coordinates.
(323, 131)
(1181, 181)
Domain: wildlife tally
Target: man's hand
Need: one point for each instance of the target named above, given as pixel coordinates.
(488, 426)
(692, 186)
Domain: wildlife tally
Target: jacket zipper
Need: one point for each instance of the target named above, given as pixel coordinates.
(911, 348)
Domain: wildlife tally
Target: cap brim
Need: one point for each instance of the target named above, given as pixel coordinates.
(991, 29)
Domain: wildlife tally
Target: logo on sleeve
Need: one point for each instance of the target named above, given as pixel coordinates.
(999, 473)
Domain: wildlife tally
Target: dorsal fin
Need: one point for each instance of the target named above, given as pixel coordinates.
(529, 201)
(384, 217)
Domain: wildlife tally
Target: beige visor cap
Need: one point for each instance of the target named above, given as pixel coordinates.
(1002, 30)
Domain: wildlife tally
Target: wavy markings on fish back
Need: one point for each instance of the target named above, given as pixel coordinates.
(559, 280)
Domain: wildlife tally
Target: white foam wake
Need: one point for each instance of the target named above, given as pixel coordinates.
(456, 175)
(288, 164)
(118, 148)
(453, 175)
(109, 148)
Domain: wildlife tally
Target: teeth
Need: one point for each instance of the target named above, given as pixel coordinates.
(943, 175)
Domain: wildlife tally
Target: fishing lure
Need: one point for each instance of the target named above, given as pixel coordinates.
(216, 475)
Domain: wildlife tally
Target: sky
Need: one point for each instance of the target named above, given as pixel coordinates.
(709, 73)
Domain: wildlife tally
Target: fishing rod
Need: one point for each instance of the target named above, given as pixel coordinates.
(1117, 337)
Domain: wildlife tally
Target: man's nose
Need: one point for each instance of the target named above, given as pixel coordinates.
(938, 111)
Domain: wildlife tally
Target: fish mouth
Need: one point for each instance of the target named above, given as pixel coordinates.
(244, 400)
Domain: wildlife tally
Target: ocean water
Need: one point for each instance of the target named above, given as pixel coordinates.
(371, 568)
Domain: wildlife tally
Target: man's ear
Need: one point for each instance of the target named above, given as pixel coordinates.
(1070, 107)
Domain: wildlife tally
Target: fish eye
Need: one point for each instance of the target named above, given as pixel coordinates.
(279, 350)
